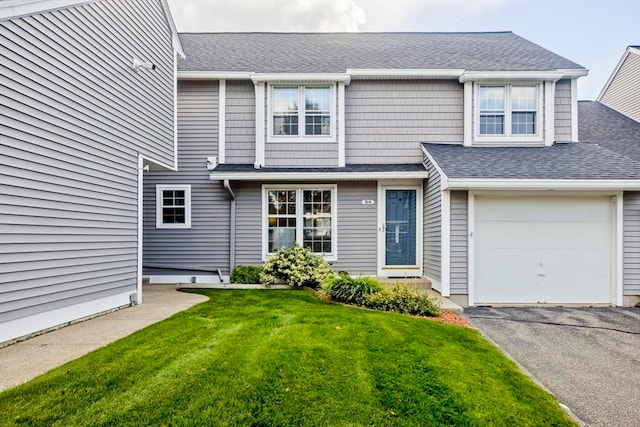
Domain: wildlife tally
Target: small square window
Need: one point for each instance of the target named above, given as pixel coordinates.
(173, 206)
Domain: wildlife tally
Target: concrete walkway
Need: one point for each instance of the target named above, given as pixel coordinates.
(25, 360)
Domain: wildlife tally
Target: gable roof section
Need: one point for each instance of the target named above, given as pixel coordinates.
(339, 52)
(608, 128)
(563, 165)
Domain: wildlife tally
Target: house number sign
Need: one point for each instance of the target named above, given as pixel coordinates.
(368, 202)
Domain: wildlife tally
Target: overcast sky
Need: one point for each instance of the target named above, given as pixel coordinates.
(593, 33)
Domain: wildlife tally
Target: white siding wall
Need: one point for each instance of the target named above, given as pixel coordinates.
(75, 115)
(206, 244)
(623, 94)
(631, 262)
(386, 120)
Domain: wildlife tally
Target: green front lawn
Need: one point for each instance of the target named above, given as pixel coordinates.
(284, 358)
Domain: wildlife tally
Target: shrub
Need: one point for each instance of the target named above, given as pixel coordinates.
(296, 266)
(351, 290)
(246, 274)
(403, 299)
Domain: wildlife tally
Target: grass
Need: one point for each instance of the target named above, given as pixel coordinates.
(284, 358)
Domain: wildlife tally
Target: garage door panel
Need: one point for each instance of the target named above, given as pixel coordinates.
(542, 249)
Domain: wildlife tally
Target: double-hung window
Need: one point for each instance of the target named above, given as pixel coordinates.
(304, 215)
(508, 110)
(173, 206)
(302, 111)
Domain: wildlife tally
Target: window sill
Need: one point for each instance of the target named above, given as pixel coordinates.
(302, 139)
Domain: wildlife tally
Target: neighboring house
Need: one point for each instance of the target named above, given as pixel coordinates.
(619, 131)
(622, 90)
(449, 156)
(87, 101)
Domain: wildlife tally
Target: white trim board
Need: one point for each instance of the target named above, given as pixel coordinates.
(316, 176)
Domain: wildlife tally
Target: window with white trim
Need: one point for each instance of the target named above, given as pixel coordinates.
(302, 111)
(173, 206)
(508, 110)
(305, 215)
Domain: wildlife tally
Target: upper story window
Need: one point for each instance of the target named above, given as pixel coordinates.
(173, 206)
(508, 110)
(301, 112)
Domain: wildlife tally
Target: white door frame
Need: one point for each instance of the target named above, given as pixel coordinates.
(400, 271)
(616, 241)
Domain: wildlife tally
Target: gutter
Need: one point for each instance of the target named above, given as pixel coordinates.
(232, 225)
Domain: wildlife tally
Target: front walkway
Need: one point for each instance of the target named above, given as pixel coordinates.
(25, 360)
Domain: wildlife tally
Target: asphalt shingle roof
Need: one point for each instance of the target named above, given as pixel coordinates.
(600, 124)
(559, 161)
(335, 52)
(404, 167)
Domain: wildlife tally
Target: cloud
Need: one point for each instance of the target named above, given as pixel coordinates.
(267, 15)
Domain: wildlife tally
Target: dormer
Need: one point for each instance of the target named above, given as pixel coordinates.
(515, 108)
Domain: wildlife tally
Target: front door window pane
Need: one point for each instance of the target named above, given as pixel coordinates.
(400, 223)
(317, 220)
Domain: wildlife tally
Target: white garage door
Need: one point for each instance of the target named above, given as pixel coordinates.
(542, 250)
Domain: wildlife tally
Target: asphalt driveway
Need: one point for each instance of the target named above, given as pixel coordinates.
(589, 358)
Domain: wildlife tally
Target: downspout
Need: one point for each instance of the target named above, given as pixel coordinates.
(232, 226)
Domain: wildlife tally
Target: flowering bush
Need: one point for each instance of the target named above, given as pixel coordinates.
(403, 299)
(296, 266)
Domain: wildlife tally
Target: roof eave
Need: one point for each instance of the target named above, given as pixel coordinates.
(315, 176)
(542, 184)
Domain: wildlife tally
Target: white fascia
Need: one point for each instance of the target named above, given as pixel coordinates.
(10, 9)
(213, 75)
(511, 76)
(444, 179)
(317, 176)
(615, 70)
(222, 120)
(542, 184)
(175, 39)
(300, 78)
(364, 73)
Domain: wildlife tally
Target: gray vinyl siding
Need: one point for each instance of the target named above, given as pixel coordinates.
(563, 110)
(459, 271)
(385, 121)
(248, 223)
(432, 224)
(631, 244)
(240, 122)
(301, 154)
(206, 244)
(357, 229)
(623, 93)
(75, 115)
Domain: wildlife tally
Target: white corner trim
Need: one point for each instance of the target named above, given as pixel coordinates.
(222, 120)
(618, 252)
(511, 76)
(260, 128)
(175, 114)
(468, 114)
(300, 77)
(140, 219)
(445, 243)
(574, 110)
(542, 184)
(213, 75)
(549, 113)
(175, 38)
(444, 180)
(341, 126)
